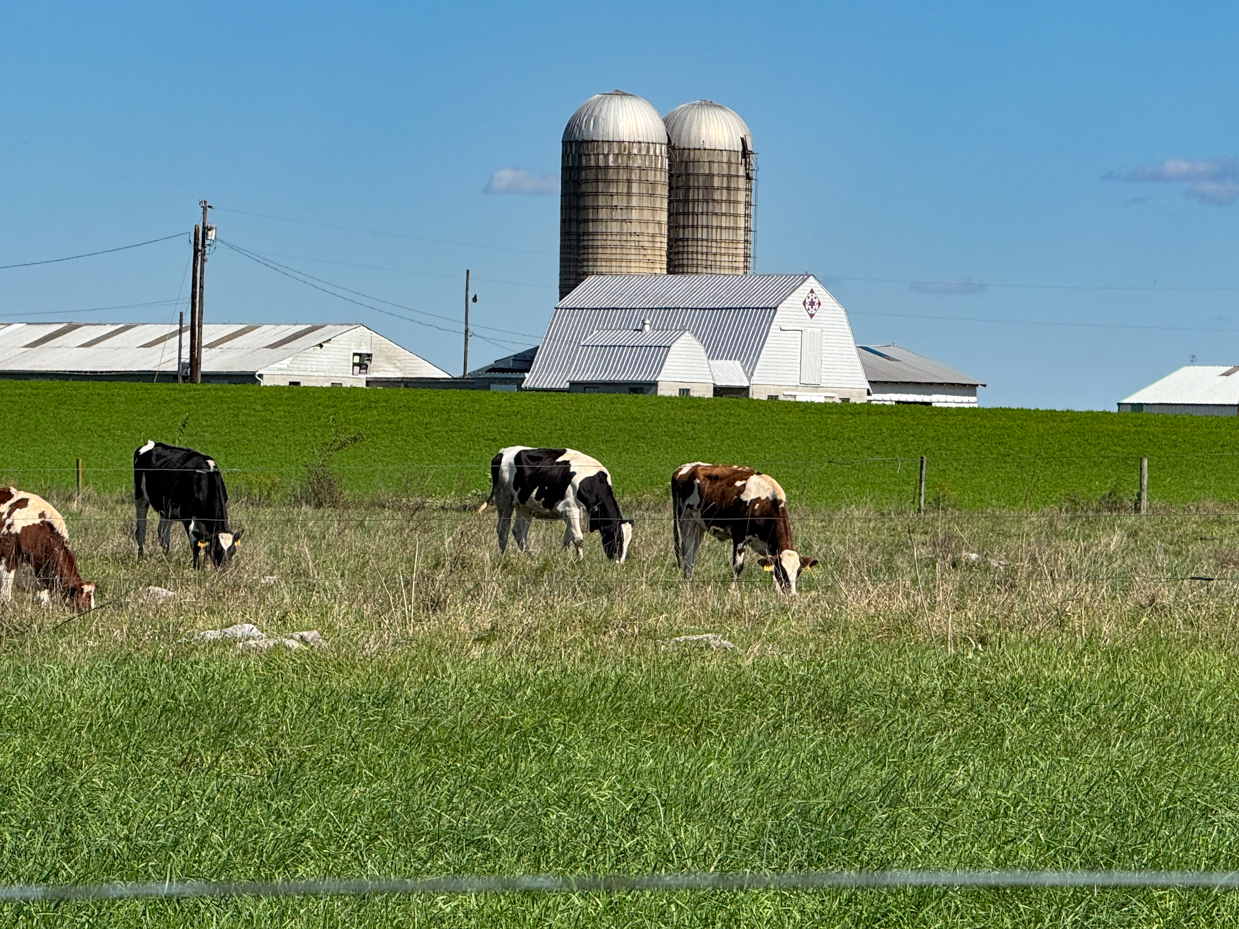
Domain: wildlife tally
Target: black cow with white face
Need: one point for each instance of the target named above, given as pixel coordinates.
(556, 483)
(182, 484)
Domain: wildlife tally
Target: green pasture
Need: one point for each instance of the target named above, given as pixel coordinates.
(438, 443)
(190, 763)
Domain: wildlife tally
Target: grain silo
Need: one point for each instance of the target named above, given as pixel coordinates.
(710, 198)
(613, 190)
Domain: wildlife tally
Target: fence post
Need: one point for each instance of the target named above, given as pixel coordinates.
(920, 488)
(77, 500)
(1142, 503)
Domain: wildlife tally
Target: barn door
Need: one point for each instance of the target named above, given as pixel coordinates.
(811, 356)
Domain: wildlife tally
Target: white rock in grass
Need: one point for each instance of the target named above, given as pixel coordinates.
(309, 637)
(156, 594)
(268, 581)
(237, 631)
(306, 639)
(710, 640)
(970, 558)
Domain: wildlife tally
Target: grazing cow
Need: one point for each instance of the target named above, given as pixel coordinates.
(33, 533)
(738, 505)
(183, 484)
(556, 483)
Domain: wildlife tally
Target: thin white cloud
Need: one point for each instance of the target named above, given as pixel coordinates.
(1211, 181)
(520, 181)
(961, 285)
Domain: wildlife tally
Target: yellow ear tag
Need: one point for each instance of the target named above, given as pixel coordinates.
(236, 544)
(767, 567)
(202, 545)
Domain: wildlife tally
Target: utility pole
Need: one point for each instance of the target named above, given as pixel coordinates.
(465, 371)
(193, 305)
(208, 236)
(180, 334)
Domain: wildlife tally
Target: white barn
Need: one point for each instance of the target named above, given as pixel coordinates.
(768, 336)
(897, 375)
(232, 353)
(1201, 390)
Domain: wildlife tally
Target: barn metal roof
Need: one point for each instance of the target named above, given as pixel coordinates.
(602, 359)
(696, 291)
(108, 348)
(728, 373)
(893, 364)
(729, 314)
(1211, 385)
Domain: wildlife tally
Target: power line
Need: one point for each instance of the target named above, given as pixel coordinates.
(987, 284)
(1039, 322)
(97, 309)
(106, 251)
(301, 277)
(297, 274)
(353, 264)
(394, 235)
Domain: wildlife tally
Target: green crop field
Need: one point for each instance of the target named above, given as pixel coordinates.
(1026, 677)
(438, 443)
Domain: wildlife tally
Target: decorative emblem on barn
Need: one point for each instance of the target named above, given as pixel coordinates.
(812, 304)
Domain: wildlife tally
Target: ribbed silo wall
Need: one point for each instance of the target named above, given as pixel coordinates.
(612, 210)
(710, 211)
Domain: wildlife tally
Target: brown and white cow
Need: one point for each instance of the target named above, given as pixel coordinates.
(738, 505)
(33, 533)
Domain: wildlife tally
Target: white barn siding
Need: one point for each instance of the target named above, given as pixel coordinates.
(331, 362)
(932, 394)
(687, 363)
(779, 367)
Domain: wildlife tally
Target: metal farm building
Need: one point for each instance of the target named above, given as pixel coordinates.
(613, 190)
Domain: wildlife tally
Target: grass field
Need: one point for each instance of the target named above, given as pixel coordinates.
(1063, 701)
(1025, 677)
(439, 443)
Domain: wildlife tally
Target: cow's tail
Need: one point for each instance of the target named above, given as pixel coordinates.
(494, 480)
(486, 502)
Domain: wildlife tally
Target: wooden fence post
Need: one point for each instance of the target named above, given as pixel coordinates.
(77, 501)
(920, 488)
(1142, 503)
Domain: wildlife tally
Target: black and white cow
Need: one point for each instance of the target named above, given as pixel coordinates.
(556, 483)
(182, 484)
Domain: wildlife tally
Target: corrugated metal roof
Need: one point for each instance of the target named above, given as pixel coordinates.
(736, 333)
(1212, 385)
(103, 348)
(652, 337)
(615, 117)
(893, 364)
(727, 372)
(698, 291)
(623, 356)
(706, 124)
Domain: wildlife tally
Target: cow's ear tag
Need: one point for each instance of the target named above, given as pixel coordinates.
(767, 567)
(202, 545)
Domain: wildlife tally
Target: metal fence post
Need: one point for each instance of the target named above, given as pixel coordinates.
(77, 500)
(920, 488)
(1142, 504)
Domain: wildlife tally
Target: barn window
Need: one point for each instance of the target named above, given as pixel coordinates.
(361, 362)
(636, 390)
(772, 396)
(686, 392)
(294, 383)
(336, 384)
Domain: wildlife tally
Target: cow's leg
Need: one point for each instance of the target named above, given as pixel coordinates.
(504, 505)
(141, 506)
(191, 530)
(690, 539)
(520, 530)
(737, 562)
(164, 531)
(572, 532)
(6, 582)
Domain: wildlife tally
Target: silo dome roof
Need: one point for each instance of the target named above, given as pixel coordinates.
(706, 124)
(615, 117)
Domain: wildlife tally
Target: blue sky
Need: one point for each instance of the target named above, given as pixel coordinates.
(922, 159)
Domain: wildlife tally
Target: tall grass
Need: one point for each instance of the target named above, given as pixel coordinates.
(1062, 700)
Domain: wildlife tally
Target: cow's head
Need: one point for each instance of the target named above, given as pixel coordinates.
(81, 598)
(616, 536)
(222, 547)
(786, 567)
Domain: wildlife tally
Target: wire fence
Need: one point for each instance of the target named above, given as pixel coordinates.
(630, 883)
